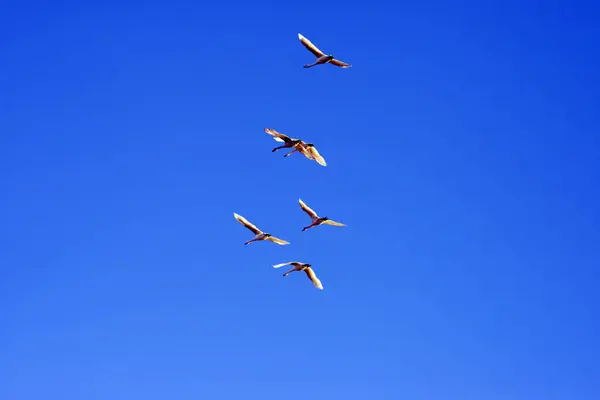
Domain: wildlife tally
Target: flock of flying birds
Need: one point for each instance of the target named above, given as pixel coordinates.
(309, 151)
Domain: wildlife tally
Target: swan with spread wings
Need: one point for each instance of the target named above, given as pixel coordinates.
(316, 220)
(260, 235)
(298, 266)
(322, 58)
(307, 149)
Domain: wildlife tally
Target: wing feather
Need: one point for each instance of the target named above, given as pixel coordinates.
(280, 137)
(282, 264)
(339, 63)
(316, 156)
(277, 240)
(313, 277)
(311, 213)
(247, 224)
(310, 46)
(333, 223)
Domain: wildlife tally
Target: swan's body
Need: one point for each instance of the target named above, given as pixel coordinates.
(316, 220)
(260, 235)
(322, 58)
(302, 267)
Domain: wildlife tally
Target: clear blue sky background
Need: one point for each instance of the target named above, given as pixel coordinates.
(463, 154)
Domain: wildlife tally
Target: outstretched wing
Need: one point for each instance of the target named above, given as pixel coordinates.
(339, 63)
(311, 47)
(280, 137)
(333, 223)
(311, 213)
(286, 263)
(316, 156)
(313, 277)
(277, 240)
(247, 224)
(282, 264)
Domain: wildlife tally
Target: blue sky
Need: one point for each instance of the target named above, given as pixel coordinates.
(462, 150)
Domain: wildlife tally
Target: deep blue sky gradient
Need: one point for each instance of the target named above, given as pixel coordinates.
(463, 154)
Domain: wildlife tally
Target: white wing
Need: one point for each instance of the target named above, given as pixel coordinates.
(311, 213)
(333, 223)
(316, 156)
(280, 137)
(294, 263)
(247, 224)
(277, 240)
(310, 46)
(313, 277)
(339, 63)
(282, 264)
